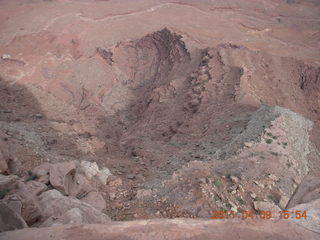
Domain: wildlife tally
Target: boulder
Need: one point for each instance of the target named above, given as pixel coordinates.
(7, 182)
(33, 188)
(14, 202)
(95, 199)
(103, 175)
(54, 206)
(9, 219)
(30, 206)
(307, 191)
(90, 169)
(24, 200)
(79, 186)
(72, 216)
(61, 175)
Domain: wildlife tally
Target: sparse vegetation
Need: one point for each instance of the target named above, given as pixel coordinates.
(217, 183)
(272, 136)
(273, 198)
(275, 153)
(3, 193)
(269, 141)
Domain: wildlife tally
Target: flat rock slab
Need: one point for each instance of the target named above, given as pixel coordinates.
(173, 229)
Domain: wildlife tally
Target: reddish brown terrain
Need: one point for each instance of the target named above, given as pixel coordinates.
(114, 111)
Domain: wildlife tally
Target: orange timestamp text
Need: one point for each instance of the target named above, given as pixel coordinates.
(251, 214)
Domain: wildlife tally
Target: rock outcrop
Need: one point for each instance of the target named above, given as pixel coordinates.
(173, 229)
(9, 219)
(308, 190)
(74, 199)
(59, 209)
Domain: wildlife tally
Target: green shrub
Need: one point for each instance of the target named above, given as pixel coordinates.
(217, 183)
(3, 193)
(269, 141)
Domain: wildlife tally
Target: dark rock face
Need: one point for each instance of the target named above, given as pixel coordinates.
(9, 219)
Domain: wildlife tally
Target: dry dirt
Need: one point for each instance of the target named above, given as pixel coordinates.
(174, 97)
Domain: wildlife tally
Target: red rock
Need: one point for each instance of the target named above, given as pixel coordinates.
(61, 175)
(78, 185)
(173, 229)
(54, 206)
(95, 199)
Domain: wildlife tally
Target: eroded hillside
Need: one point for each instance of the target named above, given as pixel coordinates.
(158, 109)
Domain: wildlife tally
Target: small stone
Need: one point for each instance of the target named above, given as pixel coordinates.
(131, 176)
(233, 204)
(202, 70)
(39, 115)
(273, 177)
(240, 188)
(259, 184)
(248, 144)
(6, 56)
(253, 195)
(203, 78)
(233, 192)
(234, 209)
(234, 179)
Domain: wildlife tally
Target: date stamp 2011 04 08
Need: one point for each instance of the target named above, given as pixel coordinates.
(285, 214)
